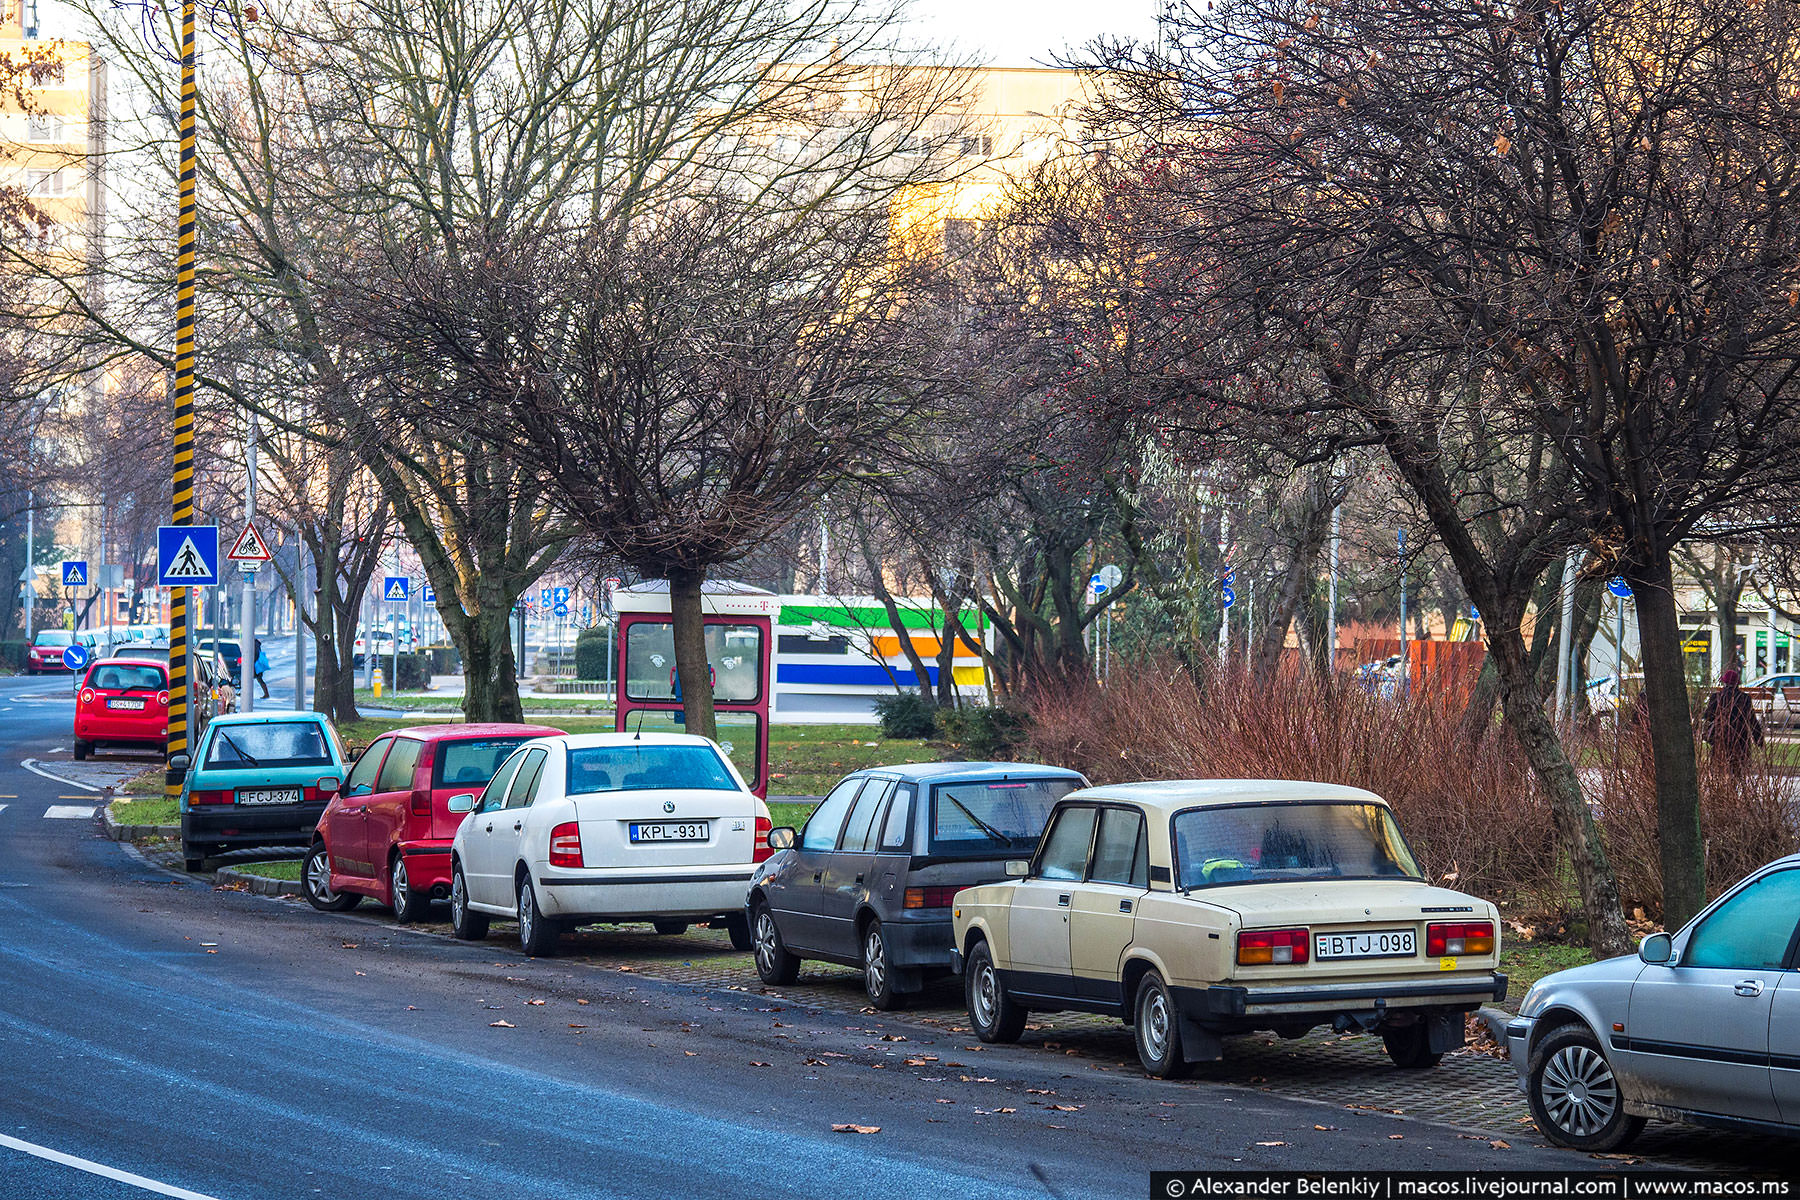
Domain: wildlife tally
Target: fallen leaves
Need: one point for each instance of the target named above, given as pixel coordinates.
(856, 1129)
(501, 1025)
(350, 945)
(534, 1002)
(1271, 1143)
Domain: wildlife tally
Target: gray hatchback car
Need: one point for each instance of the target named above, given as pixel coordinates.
(869, 881)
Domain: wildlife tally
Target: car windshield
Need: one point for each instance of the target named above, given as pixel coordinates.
(472, 763)
(54, 637)
(989, 815)
(1300, 839)
(637, 766)
(126, 677)
(274, 744)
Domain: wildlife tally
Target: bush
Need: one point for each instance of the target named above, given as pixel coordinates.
(985, 731)
(411, 671)
(906, 715)
(591, 649)
(12, 654)
(444, 660)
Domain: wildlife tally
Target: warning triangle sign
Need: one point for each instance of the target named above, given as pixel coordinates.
(249, 547)
(188, 563)
(397, 590)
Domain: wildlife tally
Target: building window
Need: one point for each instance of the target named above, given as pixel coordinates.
(47, 183)
(47, 75)
(977, 145)
(44, 128)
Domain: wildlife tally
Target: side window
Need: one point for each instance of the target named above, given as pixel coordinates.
(494, 795)
(1120, 849)
(862, 817)
(1752, 930)
(894, 833)
(397, 771)
(362, 775)
(524, 787)
(821, 831)
(1065, 852)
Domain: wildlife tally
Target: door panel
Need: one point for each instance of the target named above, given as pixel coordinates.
(1038, 935)
(1784, 1047)
(350, 838)
(847, 872)
(386, 812)
(799, 902)
(1101, 920)
(480, 857)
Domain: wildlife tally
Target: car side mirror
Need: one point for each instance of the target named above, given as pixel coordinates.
(782, 838)
(1657, 949)
(179, 763)
(1017, 868)
(461, 804)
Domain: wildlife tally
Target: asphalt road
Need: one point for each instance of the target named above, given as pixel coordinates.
(223, 1045)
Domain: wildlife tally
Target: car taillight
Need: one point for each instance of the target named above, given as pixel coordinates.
(930, 897)
(421, 802)
(162, 698)
(761, 852)
(1265, 947)
(87, 695)
(1464, 937)
(565, 845)
(209, 797)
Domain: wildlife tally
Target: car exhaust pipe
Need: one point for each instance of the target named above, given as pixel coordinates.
(440, 891)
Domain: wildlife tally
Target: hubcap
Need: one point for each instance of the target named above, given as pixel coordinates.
(987, 994)
(318, 876)
(527, 913)
(456, 896)
(765, 941)
(875, 961)
(1154, 1025)
(1578, 1091)
(399, 884)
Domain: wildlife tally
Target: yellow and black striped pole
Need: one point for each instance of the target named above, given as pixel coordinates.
(184, 401)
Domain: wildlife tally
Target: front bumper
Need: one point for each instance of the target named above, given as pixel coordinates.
(1518, 1040)
(627, 895)
(232, 825)
(1226, 1002)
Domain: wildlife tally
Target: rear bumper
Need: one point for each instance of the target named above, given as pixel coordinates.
(231, 825)
(1226, 1003)
(135, 733)
(629, 895)
(920, 943)
(427, 862)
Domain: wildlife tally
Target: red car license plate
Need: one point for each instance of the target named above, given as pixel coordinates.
(118, 702)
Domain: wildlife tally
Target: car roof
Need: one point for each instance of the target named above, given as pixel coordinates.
(586, 741)
(482, 729)
(128, 659)
(268, 718)
(949, 772)
(1170, 795)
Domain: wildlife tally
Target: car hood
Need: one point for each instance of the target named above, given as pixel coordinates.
(1351, 900)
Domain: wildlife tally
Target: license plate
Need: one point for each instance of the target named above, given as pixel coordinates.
(672, 831)
(131, 704)
(1373, 943)
(269, 796)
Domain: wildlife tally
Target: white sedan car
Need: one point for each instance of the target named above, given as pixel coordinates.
(608, 827)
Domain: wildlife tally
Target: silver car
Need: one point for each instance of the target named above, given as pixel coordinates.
(1701, 1026)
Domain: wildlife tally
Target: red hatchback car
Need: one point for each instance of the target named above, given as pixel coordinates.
(123, 701)
(46, 653)
(387, 832)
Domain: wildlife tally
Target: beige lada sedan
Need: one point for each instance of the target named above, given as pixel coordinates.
(1197, 909)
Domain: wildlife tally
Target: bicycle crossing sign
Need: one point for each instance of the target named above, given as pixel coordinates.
(396, 588)
(249, 547)
(187, 555)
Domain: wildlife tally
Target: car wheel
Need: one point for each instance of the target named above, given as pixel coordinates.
(82, 749)
(669, 928)
(994, 1015)
(315, 881)
(408, 903)
(465, 924)
(1157, 1029)
(1574, 1095)
(878, 972)
(537, 933)
(774, 962)
(737, 925)
(1409, 1046)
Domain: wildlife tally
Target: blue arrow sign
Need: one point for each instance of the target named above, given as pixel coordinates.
(560, 595)
(1230, 597)
(396, 588)
(187, 555)
(75, 656)
(75, 572)
(1618, 587)
(587, 615)
(562, 610)
(1474, 613)
(544, 597)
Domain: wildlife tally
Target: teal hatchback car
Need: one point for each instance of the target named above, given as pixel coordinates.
(257, 779)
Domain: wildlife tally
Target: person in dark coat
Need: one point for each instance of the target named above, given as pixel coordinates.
(1730, 725)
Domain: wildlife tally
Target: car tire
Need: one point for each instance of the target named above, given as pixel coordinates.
(82, 749)
(994, 1015)
(466, 925)
(1409, 1046)
(878, 969)
(538, 934)
(1574, 1095)
(775, 963)
(670, 928)
(737, 926)
(1156, 1028)
(315, 881)
(407, 901)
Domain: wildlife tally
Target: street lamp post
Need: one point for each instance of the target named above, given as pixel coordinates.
(184, 402)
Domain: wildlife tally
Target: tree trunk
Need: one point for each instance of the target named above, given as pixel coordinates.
(1683, 850)
(895, 622)
(1314, 530)
(490, 672)
(691, 667)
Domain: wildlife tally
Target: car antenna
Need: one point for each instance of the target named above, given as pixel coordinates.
(639, 735)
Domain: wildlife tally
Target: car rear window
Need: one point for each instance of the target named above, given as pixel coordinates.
(636, 767)
(1274, 843)
(126, 677)
(276, 744)
(472, 763)
(993, 816)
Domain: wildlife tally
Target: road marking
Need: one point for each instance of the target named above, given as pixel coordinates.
(2, 808)
(30, 764)
(68, 812)
(102, 1170)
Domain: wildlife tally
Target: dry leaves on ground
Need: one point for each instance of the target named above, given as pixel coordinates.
(856, 1129)
(501, 1025)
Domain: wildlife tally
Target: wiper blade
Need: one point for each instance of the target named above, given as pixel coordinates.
(238, 750)
(980, 824)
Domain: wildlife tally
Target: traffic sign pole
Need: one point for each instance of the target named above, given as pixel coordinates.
(184, 402)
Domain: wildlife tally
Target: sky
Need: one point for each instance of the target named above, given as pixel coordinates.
(1018, 33)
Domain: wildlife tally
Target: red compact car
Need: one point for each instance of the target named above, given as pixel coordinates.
(123, 701)
(387, 832)
(46, 653)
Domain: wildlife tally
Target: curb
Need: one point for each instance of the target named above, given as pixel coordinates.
(135, 833)
(259, 885)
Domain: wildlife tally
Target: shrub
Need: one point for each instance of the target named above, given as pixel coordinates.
(444, 660)
(411, 671)
(985, 731)
(12, 654)
(591, 647)
(906, 715)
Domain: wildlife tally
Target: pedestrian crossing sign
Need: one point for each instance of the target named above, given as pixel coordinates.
(187, 555)
(396, 588)
(74, 572)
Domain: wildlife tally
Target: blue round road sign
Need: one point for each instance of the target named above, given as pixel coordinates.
(1618, 587)
(562, 610)
(74, 656)
(1230, 597)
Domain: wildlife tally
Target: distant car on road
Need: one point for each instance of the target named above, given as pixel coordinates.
(257, 779)
(1702, 1026)
(380, 641)
(608, 827)
(386, 833)
(868, 883)
(46, 653)
(1198, 909)
(1783, 705)
(222, 652)
(122, 701)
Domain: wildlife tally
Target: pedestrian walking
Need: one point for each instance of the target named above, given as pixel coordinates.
(1730, 725)
(262, 664)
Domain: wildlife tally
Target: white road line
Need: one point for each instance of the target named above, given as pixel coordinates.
(69, 812)
(102, 1170)
(30, 764)
(2, 808)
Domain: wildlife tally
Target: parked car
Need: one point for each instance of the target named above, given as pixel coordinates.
(46, 652)
(386, 833)
(380, 640)
(1702, 1026)
(257, 779)
(869, 882)
(1783, 705)
(1195, 910)
(122, 701)
(225, 655)
(608, 827)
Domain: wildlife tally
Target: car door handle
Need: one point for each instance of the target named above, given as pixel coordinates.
(859, 879)
(1125, 906)
(1062, 901)
(818, 875)
(518, 825)
(490, 827)
(1749, 987)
